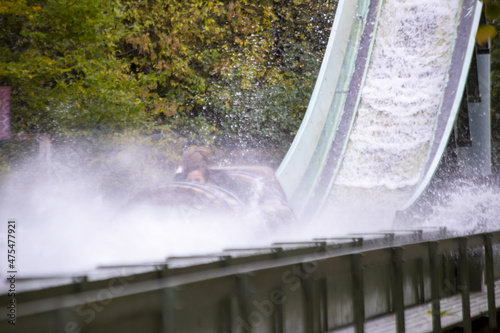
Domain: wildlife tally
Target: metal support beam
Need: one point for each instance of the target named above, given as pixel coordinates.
(309, 299)
(435, 290)
(397, 288)
(244, 293)
(323, 305)
(476, 159)
(226, 318)
(464, 284)
(358, 292)
(490, 280)
(421, 281)
(167, 301)
(278, 315)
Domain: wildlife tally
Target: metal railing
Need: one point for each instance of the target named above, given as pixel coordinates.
(315, 286)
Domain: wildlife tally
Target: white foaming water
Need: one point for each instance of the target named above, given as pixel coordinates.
(401, 95)
(394, 124)
(68, 224)
(393, 128)
(464, 208)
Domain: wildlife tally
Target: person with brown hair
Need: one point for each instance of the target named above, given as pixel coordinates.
(195, 166)
(254, 187)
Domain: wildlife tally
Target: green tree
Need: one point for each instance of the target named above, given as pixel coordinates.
(258, 99)
(241, 71)
(59, 58)
(185, 45)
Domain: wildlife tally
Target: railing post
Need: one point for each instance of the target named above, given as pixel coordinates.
(464, 284)
(243, 292)
(226, 320)
(490, 280)
(278, 316)
(436, 308)
(323, 300)
(421, 281)
(167, 301)
(397, 288)
(358, 292)
(307, 287)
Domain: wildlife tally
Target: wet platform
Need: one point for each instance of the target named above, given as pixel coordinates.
(419, 319)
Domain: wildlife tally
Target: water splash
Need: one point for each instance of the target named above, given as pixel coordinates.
(401, 96)
(67, 224)
(463, 206)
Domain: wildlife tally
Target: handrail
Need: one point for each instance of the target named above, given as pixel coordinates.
(315, 281)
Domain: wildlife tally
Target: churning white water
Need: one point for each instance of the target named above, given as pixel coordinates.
(462, 206)
(400, 99)
(67, 223)
(397, 114)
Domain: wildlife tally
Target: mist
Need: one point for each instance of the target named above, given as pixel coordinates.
(73, 215)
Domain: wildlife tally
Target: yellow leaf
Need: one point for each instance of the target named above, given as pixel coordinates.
(485, 33)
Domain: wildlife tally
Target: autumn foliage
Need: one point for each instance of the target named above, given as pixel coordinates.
(238, 72)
